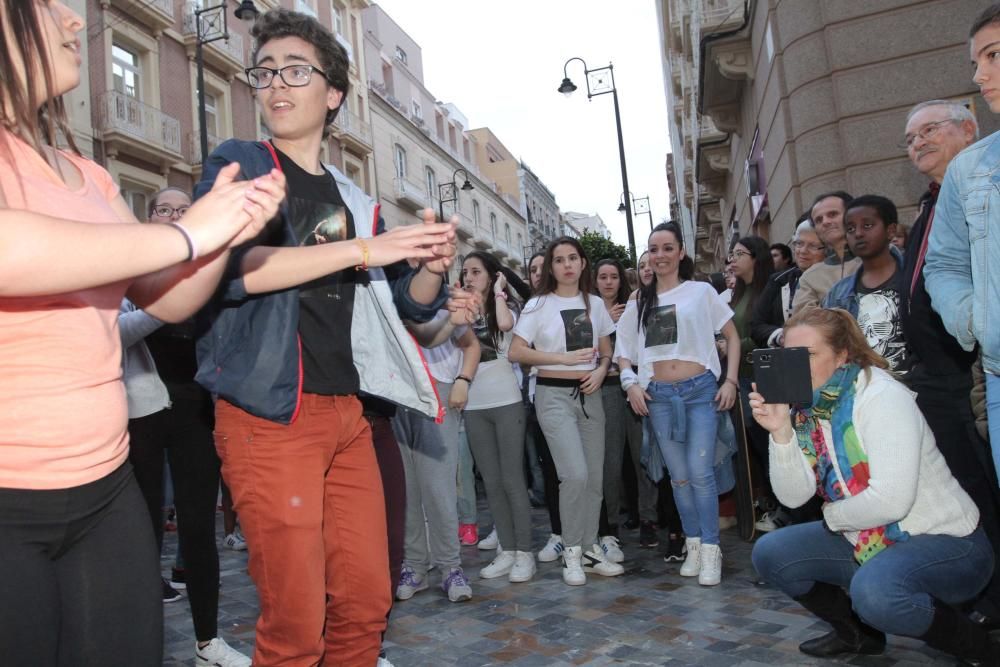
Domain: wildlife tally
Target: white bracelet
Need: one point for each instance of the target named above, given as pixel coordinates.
(628, 378)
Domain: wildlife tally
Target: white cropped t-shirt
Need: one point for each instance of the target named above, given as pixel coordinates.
(681, 327)
(554, 323)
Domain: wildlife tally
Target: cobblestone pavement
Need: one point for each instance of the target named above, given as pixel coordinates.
(649, 616)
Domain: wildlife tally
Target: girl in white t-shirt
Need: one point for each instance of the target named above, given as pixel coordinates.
(495, 420)
(668, 335)
(570, 330)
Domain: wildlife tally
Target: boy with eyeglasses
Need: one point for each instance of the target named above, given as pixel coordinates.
(306, 325)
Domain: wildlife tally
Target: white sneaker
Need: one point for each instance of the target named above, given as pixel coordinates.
(491, 541)
(766, 524)
(710, 573)
(219, 654)
(595, 561)
(235, 541)
(501, 565)
(383, 662)
(552, 549)
(612, 549)
(692, 564)
(524, 567)
(573, 573)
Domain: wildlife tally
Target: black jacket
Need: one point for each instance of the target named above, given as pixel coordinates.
(928, 342)
(768, 313)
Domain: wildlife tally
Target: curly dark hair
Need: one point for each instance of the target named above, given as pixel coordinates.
(333, 59)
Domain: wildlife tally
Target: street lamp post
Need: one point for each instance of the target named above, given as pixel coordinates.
(451, 190)
(640, 205)
(211, 25)
(602, 86)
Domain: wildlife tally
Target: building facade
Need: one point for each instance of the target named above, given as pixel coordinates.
(136, 109)
(425, 154)
(539, 209)
(586, 223)
(773, 102)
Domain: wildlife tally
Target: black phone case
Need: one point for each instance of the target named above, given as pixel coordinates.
(782, 375)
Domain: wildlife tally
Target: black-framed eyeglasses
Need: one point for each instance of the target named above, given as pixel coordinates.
(293, 75)
(736, 254)
(165, 211)
(925, 133)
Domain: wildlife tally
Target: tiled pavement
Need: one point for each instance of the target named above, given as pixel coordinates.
(649, 616)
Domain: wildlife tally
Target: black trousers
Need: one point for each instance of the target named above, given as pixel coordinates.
(944, 401)
(185, 432)
(80, 582)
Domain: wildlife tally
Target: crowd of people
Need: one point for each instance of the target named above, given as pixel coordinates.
(267, 334)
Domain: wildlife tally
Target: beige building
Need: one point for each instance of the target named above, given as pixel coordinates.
(773, 102)
(136, 110)
(424, 152)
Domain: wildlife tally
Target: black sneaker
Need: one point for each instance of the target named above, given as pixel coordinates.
(647, 535)
(178, 578)
(170, 594)
(675, 549)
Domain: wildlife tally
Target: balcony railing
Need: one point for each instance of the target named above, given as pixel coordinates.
(126, 114)
(351, 125)
(411, 194)
(194, 145)
(717, 15)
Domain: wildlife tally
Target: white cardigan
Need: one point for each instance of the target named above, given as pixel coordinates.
(910, 480)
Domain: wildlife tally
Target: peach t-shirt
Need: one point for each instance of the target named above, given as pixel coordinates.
(63, 414)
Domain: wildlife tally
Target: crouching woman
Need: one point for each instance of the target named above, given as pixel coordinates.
(899, 545)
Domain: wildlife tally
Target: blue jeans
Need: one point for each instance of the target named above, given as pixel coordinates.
(895, 590)
(993, 415)
(685, 422)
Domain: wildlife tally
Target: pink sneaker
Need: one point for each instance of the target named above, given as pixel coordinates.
(468, 534)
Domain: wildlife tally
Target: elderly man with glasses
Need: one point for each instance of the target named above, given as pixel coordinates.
(937, 131)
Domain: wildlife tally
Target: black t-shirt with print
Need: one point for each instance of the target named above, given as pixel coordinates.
(318, 215)
(878, 317)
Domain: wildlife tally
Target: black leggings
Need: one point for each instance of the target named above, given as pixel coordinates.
(550, 477)
(80, 581)
(185, 432)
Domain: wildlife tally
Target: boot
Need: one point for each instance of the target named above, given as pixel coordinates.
(850, 636)
(954, 633)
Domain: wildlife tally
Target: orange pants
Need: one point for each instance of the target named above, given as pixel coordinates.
(309, 498)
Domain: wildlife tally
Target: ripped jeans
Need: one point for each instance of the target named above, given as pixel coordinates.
(685, 421)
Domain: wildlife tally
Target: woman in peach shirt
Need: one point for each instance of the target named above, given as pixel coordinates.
(79, 561)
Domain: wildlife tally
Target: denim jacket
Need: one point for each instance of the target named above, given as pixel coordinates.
(959, 253)
(249, 351)
(844, 293)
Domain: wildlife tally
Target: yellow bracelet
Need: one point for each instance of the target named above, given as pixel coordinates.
(363, 266)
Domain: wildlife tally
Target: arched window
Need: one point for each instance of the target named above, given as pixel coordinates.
(493, 224)
(431, 183)
(506, 233)
(399, 158)
(475, 213)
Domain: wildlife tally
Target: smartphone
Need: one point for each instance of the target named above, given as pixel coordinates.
(782, 375)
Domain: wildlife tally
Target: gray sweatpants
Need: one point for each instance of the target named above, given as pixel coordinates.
(430, 458)
(576, 442)
(496, 437)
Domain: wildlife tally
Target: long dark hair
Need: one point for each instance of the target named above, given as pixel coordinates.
(39, 125)
(685, 271)
(623, 287)
(584, 282)
(540, 253)
(492, 266)
(763, 267)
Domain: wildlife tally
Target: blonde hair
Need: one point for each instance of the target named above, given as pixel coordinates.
(841, 332)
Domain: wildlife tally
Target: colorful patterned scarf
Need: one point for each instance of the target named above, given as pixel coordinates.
(834, 402)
